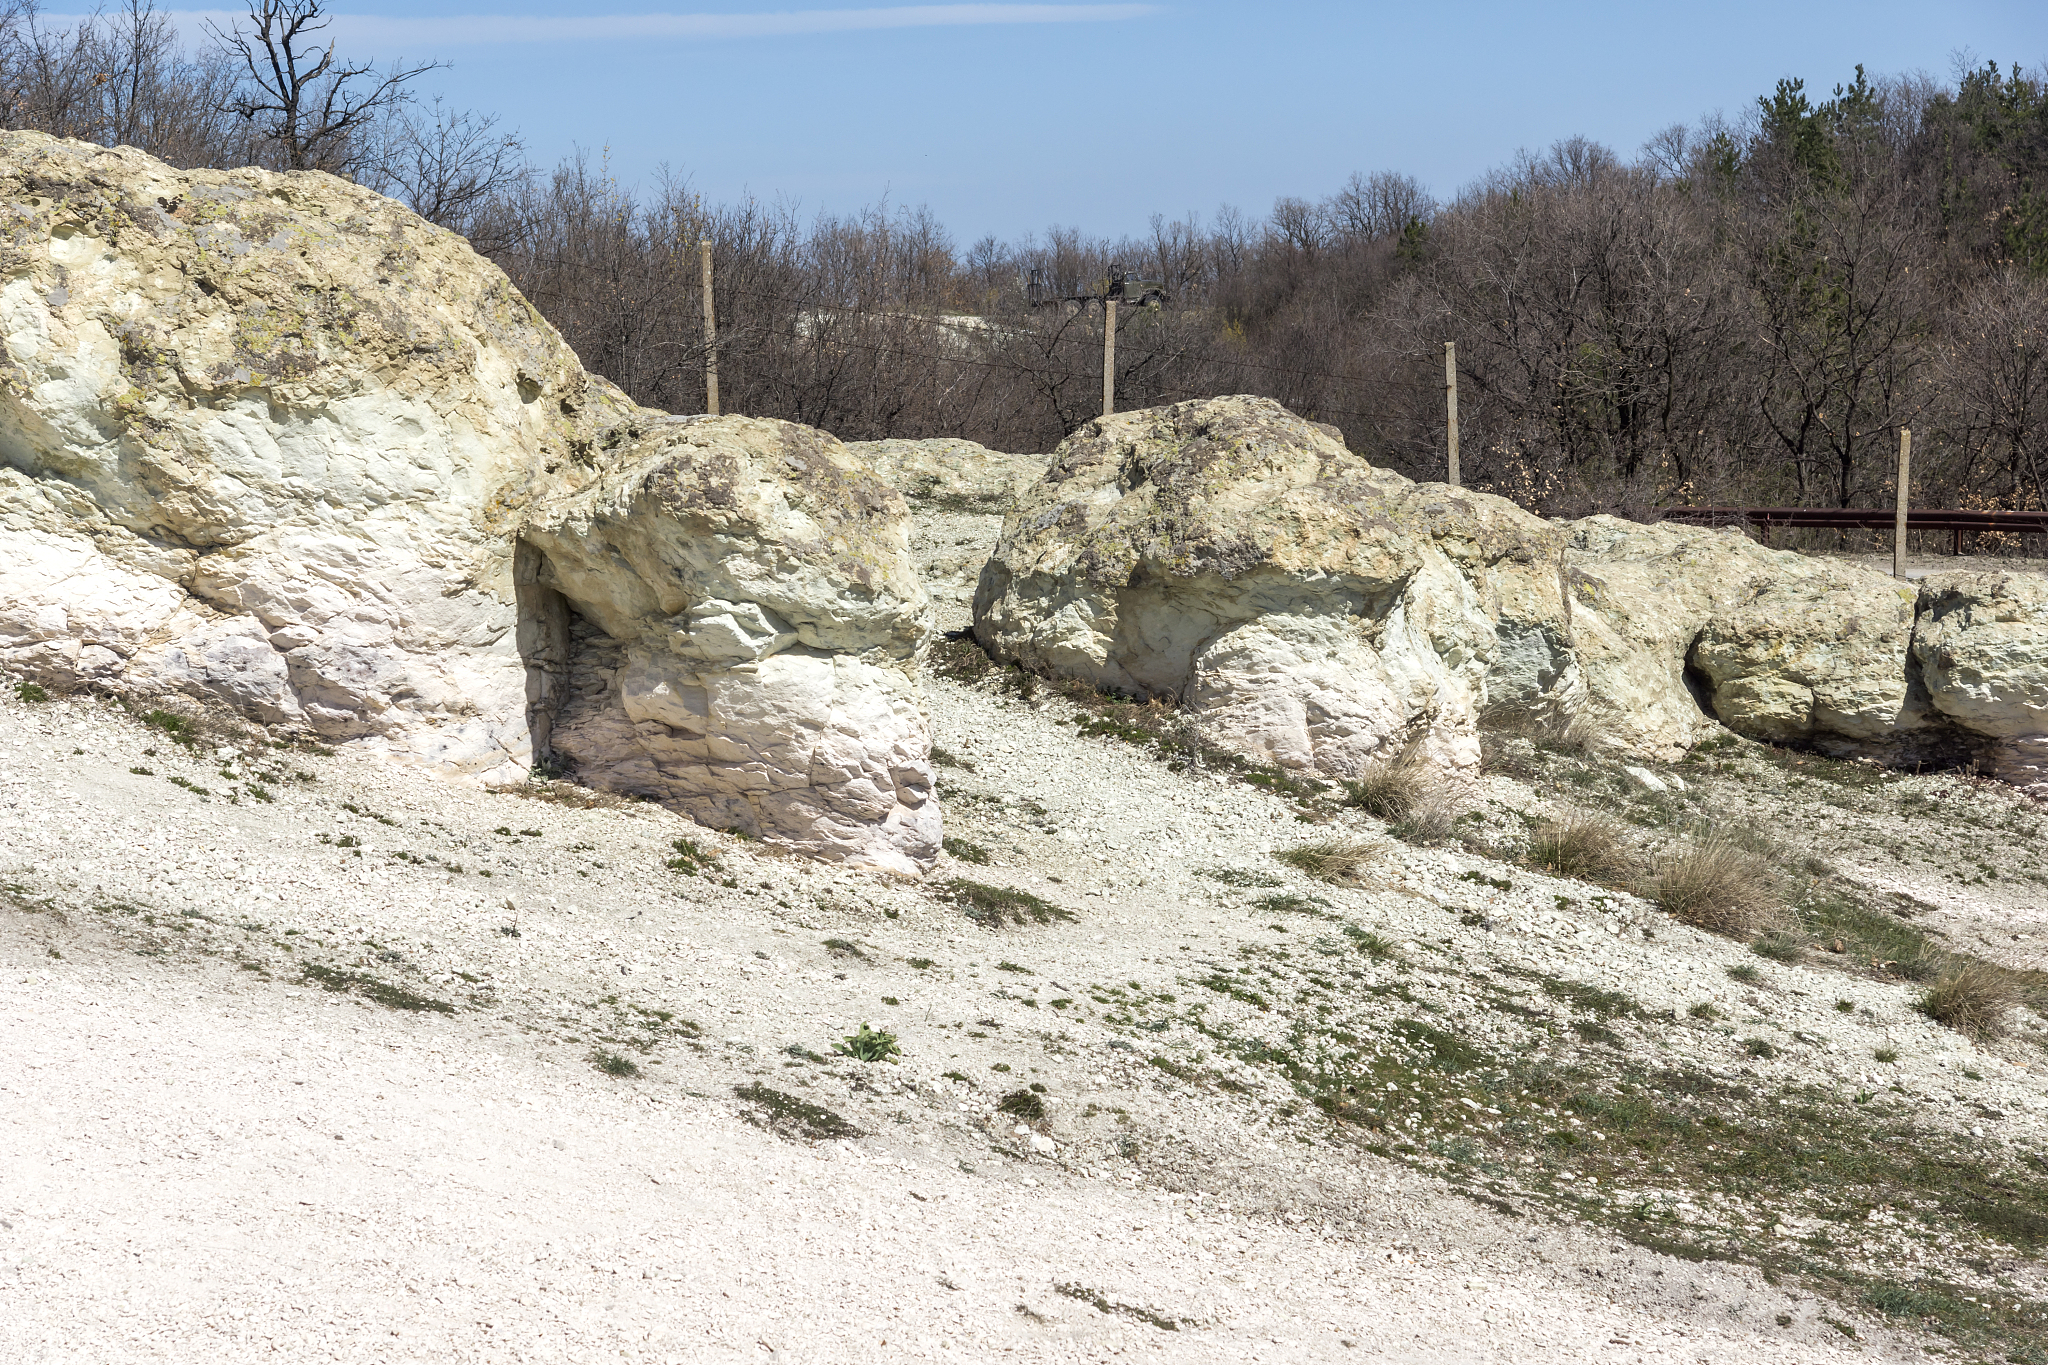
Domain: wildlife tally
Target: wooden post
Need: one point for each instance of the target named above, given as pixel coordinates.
(1108, 356)
(710, 334)
(1899, 522)
(1451, 408)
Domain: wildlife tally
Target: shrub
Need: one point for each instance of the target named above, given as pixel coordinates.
(1330, 860)
(1971, 997)
(1718, 885)
(612, 1064)
(30, 692)
(1586, 847)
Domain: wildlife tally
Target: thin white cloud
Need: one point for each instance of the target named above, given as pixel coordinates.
(417, 33)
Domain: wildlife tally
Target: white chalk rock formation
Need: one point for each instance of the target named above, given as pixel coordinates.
(1982, 646)
(1318, 613)
(270, 440)
(762, 621)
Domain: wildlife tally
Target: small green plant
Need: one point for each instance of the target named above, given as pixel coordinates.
(1971, 997)
(999, 1066)
(529, 834)
(1330, 860)
(1845, 1007)
(30, 692)
(1023, 1104)
(1008, 966)
(1758, 1047)
(612, 1064)
(891, 1000)
(1886, 1054)
(1703, 1010)
(923, 964)
(843, 947)
(1376, 946)
(1481, 879)
(965, 851)
(142, 772)
(868, 1045)
(689, 859)
(1746, 974)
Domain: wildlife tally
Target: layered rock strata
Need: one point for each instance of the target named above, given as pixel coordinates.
(1320, 614)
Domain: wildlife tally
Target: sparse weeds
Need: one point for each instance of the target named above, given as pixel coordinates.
(994, 906)
(1583, 846)
(965, 851)
(1718, 885)
(792, 1117)
(690, 858)
(370, 988)
(1746, 974)
(1102, 1304)
(1338, 861)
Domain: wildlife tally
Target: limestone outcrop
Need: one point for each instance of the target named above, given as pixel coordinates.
(272, 440)
(761, 623)
(1318, 613)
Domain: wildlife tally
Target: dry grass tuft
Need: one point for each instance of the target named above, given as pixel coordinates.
(1331, 860)
(1971, 997)
(1588, 847)
(1391, 788)
(1718, 885)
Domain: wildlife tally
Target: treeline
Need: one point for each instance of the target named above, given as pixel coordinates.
(1745, 312)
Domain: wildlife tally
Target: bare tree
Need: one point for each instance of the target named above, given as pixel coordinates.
(449, 166)
(311, 110)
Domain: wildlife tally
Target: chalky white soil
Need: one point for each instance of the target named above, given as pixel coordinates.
(206, 1156)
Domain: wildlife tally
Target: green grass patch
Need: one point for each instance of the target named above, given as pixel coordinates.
(992, 907)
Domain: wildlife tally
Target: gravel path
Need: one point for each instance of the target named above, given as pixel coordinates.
(198, 1168)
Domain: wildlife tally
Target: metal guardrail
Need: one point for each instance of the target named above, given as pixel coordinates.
(1954, 520)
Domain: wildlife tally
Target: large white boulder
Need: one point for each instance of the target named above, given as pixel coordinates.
(762, 623)
(271, 440)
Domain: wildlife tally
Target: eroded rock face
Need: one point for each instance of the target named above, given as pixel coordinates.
(753, 583)
(1982, 647)
(264, 439)
(1318, 613)
(271, 440)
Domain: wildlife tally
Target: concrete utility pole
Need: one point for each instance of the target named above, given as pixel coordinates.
(1451, 408)
(1905, 484)
(710, 334)
(1108, 356)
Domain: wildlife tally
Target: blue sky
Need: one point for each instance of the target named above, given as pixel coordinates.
(1008, 118)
